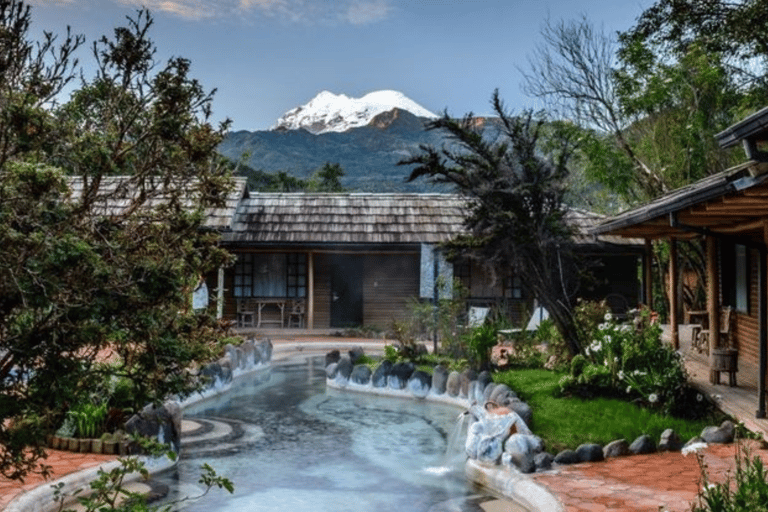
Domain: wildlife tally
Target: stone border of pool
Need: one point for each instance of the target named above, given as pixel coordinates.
(503, 481)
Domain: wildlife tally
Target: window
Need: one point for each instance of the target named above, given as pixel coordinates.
(735, 276)
(271, 275)
(297, 275)
(514, 288)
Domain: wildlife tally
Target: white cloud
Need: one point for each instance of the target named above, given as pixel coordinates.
(188, 9)
(363, 12)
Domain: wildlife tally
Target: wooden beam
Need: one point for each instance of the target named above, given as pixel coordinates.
(648, 273)
(713, 302)
(310, 290)
(673, 296)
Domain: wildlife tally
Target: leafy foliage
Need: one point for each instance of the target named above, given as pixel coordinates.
(745, 491)
(79, 282)
(515, 186)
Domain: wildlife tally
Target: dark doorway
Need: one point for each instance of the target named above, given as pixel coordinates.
(346, 290)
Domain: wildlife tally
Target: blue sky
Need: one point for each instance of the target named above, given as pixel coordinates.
(265, 57)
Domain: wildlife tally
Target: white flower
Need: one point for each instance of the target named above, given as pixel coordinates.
(615, 359)
(607, 338)
(621, 376)
(693, 448)
(625, 328)
(653, 398)
(629, 389)
(608, 317)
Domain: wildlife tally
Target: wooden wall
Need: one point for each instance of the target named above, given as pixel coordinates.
(745, 329)
(389, 282)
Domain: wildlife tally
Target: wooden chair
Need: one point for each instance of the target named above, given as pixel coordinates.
(726, 321)
(246, 313)
(297, 312)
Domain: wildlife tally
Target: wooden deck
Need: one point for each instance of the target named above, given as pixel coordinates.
(739, 401)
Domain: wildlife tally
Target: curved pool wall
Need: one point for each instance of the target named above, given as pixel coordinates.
(503, 481)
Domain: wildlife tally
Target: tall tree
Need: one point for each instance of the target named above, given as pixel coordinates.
(88, 261)
(516, 216)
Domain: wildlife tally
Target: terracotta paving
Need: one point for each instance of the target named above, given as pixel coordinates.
(639, 483)
(61, 463)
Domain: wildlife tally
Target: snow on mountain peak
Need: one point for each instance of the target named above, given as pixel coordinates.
(329, 112)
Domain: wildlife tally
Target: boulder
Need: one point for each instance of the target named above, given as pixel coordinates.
(331, 370)
(264, 346)
(524, 462)
(500, 393)
(567, 457)
(522, 409)
(590, 452)
(487, 391)
(381, 374)
(249, 353)
(399, 375)
(523, 443)
(163, 423)
(475, 392)
(361, 374)
(212, 373)
(617, 448)
(439, 379)
(355, 354)
(670, 441)
(719, 435)
(484, 378)
(543, 461)
(453, 384)
(332, 357)
(467, 376)
(344, 367)
(420, 383)
(643, 444)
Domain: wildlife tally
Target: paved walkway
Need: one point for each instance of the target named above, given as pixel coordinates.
(638, 483)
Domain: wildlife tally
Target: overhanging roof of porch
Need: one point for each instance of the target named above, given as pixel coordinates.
(730, 202)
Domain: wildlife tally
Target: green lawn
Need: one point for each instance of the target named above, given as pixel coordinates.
(568, 422)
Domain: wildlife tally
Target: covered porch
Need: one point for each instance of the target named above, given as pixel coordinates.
(727, 214)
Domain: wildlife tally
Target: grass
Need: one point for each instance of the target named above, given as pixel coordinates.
(567, 422)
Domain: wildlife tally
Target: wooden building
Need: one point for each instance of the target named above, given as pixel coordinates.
(353, 259)
(729, 211)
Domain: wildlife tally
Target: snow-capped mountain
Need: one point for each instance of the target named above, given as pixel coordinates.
(328, 112)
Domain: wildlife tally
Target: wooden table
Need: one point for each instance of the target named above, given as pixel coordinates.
(270, 301)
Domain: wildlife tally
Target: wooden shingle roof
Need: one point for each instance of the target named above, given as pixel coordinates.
(349, 218)
(116, 193)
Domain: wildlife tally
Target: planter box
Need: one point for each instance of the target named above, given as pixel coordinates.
(97, 446)
(73, 444)
(85, 446)
(110, 447)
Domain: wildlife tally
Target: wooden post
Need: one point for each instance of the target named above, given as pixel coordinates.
(762, 335)
(713, 304)
(220, 294)
(673, 302)
(310, 290)
(648, 273)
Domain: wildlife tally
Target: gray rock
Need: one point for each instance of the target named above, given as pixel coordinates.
(489, 449)
(344, 367)
(693, 440)
(567, 457)
(163, 422)
(264, 346)
(399, 375)
(670, 441)
(212, 373)
(617, 448)
(643, 444)
(487, 391)
(524, 462)
(355, 354)
(523, 410)
(381, 374)
(453, 384)
(361, 374)
(467, 376)
(484, 378)
(332, 357)
(331, 370)
(543, 461)
(226, 374)
(475, 392)
(439, 379)
(720, 435)
(523, 443)
(249, 352)
(590, 452)
(500, 393)
(420, 383)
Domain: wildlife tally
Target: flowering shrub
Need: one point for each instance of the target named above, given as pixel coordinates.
(628, 360)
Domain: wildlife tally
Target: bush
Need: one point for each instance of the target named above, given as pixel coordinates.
(747, 492)
(631, 361)
(480, 340)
